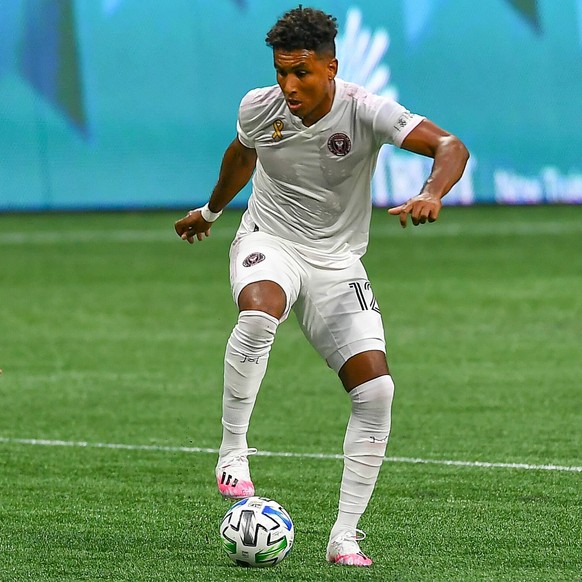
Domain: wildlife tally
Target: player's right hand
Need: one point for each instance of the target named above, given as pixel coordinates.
(421, 208)
(192, 225)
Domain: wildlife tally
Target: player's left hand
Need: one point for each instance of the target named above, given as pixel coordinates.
(422, 208)
(192, 225)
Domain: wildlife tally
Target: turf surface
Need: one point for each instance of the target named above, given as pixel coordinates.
(112, 332)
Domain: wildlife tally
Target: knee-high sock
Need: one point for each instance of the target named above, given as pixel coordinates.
(364, 448)
(245, 364)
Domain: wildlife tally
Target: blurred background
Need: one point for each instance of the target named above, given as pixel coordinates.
(108, 104)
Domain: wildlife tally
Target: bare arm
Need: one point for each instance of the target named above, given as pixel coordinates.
(450, 158)
(238, 165)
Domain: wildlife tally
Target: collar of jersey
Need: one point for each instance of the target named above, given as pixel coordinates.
(321, 124)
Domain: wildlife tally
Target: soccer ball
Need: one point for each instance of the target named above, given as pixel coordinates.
(257, 532)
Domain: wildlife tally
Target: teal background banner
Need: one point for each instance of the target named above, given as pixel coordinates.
(131, 103)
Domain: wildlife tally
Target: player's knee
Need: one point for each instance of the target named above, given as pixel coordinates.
(372, 410)
(386, 391)
(376, 394)
(254, 332)
(263, 296)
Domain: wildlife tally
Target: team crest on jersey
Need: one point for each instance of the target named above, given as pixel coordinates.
(339, 144)
(278, 126)
(253, 259)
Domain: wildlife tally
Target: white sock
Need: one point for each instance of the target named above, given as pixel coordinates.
(364, 448)
(245, 364)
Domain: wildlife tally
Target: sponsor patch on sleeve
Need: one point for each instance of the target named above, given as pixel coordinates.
(403, 120)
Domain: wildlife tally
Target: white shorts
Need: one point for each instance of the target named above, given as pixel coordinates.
(335, 308)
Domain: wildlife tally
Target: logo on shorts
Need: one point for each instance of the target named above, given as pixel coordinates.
(253, 259)
(339, 144)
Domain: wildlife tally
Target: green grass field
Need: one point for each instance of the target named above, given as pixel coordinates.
(112, 332)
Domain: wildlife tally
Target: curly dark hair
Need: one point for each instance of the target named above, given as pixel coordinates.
(304, 28)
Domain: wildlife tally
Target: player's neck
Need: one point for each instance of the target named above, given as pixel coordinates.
(323, 110)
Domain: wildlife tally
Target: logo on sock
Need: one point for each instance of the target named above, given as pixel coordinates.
(375, 440)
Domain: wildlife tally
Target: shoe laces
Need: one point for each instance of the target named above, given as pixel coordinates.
(356, 535)
(238, 458)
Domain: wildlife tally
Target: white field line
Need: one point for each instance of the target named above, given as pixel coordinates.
(433, 231)
(322, 456)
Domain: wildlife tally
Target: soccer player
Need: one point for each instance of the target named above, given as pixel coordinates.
(312, 141)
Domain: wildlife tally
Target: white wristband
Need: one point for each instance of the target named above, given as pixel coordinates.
(208, 215)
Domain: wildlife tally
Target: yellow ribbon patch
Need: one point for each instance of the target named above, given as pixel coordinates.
(278, 127)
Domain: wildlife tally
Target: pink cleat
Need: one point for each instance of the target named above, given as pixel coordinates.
(233, 477)
(343, 549)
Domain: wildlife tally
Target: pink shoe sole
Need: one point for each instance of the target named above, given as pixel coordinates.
(240, 491)
(352, 560)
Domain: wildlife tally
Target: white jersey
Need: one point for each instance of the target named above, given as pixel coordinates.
(312, 184)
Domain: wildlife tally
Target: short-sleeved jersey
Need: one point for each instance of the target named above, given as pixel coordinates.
(312, 184)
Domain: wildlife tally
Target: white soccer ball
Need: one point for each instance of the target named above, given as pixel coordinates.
(257, 532)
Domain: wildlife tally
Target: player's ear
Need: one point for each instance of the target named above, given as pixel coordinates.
(332, 69)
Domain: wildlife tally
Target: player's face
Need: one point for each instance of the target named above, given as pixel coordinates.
(307, 82)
